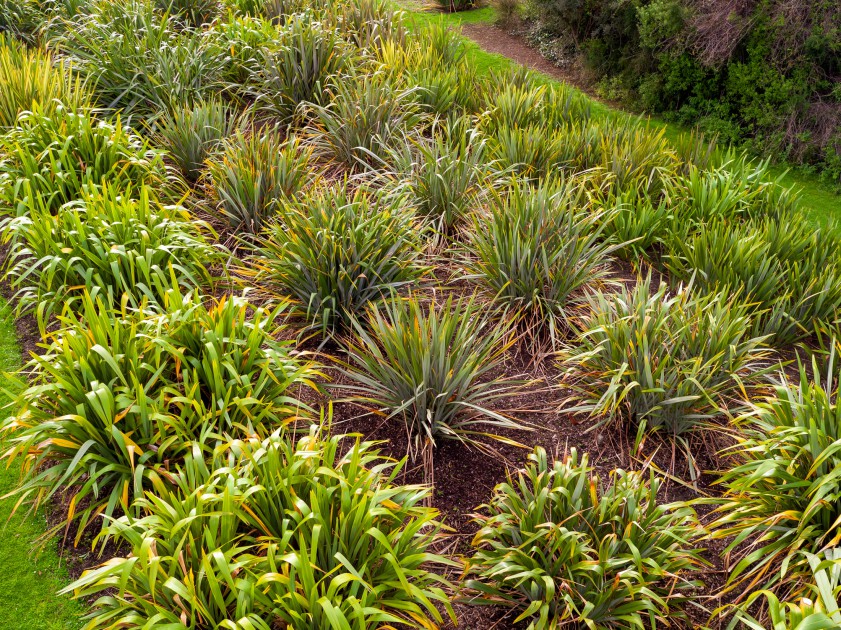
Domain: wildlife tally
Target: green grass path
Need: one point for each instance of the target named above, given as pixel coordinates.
(820, 204)
(28, 583)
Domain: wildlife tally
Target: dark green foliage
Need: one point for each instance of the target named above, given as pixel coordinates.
(334, 254)
(424, 366)
(315, 535)
(783, 493)
(191, 133)
(662, 361)
(21, 18)
(560, 548)
(117, 399)
(138, 60)
(58, 156)
(764, 75)
(123, 250)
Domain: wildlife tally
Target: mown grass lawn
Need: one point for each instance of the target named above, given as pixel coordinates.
(28, 582)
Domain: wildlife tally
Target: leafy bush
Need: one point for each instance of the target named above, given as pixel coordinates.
(371, 23)
(782, 495)
(190, 134)
(32, 79)
(139, 61)
(452, 6)
(246, 41)
(59, 157)
(367, 116)
(255, 172)
(194, 13)
(535, 253)
(121, 249)
(445, 175)
(311, 536)
(562, 549)
(819, 610)
(334, 254)
(21, 19)
(425, 365)
(763, 75)
(507, 11)
(635, 221)
(663, 362)
(117, 399)
(298, 69)
(786, 271)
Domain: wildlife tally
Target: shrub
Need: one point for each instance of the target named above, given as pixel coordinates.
(123, 250)
(371, 23)
(635, 222)
(59, 157)
(117, 400)
(562, 549)
(535, 253)
(254, 172)
(194, 13)
(298, 69)
(445, 175)
(451, 6)
(444, 91)
(21, 19)
(311, 536)
(531, 152)
(190, 134)
(663, 362)
(507, 11)
(367, 116)
(425, 366)
(335, 254)
(787, 272)
(818, 610)
(782, 496)
(636, 157)
(246, 41)
(760, 76)
(32, 79)
(139, 61)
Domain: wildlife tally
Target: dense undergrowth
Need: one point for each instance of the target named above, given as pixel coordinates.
(764, 74)
(213, 211)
